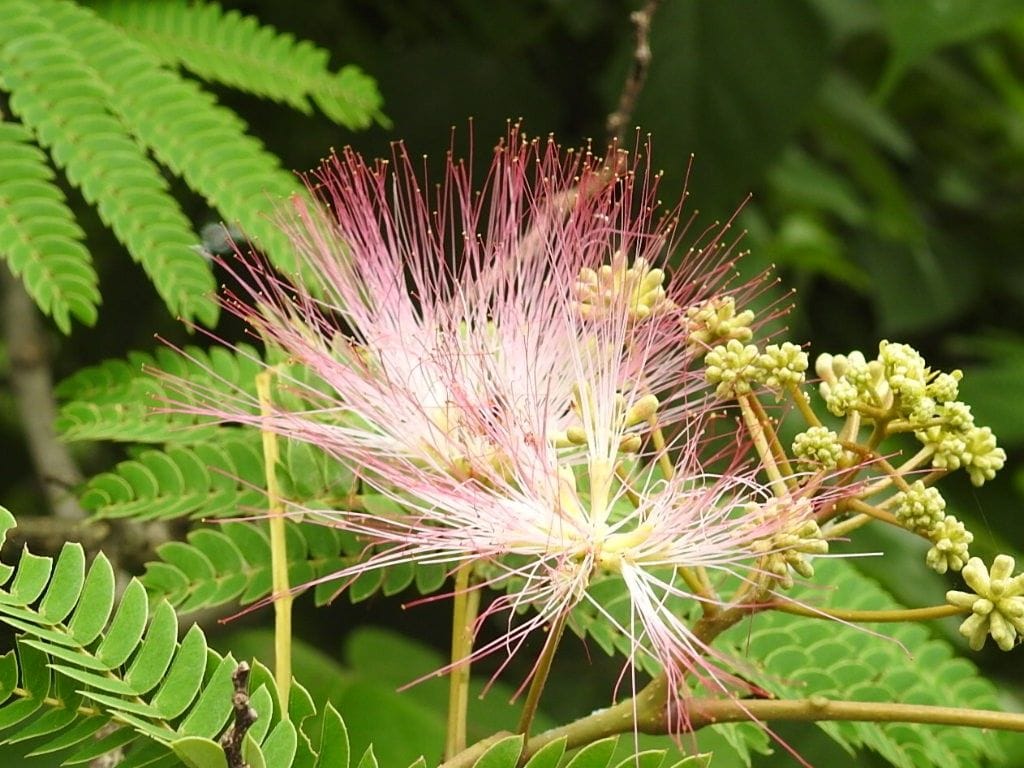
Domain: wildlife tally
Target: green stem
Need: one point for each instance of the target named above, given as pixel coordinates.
(627, 485)
(875, 458)
(870, 617)
(658, 438)
(803, 404)
(757, 434)
(872, 511)
(278, 549)
(778, 452)
(821, 709)
(838, 530)
(540, 675)
(466, 603)
(628, 715)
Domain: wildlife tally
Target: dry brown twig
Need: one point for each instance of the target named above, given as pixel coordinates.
(245, 716)
(618, 120)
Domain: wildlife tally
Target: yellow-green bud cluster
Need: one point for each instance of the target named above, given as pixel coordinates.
(851, 382)
(782, 365)
(920, 509)
(950, 542)
(904, 370)
(959, 443)
(638, 288)
(899, 385)
(817, 448)
(996, 603)
(790, 550)
(733, 367)
(715, 321)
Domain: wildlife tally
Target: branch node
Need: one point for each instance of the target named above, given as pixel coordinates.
(245, 716)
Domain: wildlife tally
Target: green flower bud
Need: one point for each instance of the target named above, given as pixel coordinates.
(817, 448)
(950, 541)
(945, 386)
(982, 457)
(782, 365)
(905, 370)
(733, 367)
(920, 509)
(716, 320)
(790, 551)
(996, 603)
(639, 288)
(851, 382)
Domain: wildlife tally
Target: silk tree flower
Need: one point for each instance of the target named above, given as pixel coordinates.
(493, 361)
(410, 305)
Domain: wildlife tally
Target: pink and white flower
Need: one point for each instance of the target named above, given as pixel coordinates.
(493, 360)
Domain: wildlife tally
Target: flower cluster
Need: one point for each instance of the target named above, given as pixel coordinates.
(500, 363)
(899, 390)
(996, 603)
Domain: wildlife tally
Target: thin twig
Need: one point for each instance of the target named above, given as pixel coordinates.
(32, 386)
(619, 119)
(245, 716)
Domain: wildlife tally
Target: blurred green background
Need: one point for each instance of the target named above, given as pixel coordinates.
(882, 142)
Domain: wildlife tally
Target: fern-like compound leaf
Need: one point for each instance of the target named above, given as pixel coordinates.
(123, 400)
(39, 237)
(117, 668)
(187, 131)
(236, 50)
(56, 93)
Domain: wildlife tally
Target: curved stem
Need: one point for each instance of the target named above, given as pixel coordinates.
(869, 617)
(838, 530)
(278, 548)
(803, 405)
(627, 716)
(875, 458)
(872, 511)
(466, 603)
(627, 484)
(540, 675)
(820, 708)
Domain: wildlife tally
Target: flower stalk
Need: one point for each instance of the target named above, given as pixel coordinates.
(278, 547)
(465, 605)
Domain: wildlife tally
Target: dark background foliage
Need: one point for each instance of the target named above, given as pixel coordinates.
(882, 143)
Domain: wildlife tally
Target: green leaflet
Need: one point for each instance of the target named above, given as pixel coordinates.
(238, 51)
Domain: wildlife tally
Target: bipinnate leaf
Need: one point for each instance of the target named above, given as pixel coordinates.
(117, 668)
(184, 127)
(56, 93)
(39, 237)
(123, 400)
(238, 51)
